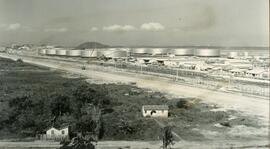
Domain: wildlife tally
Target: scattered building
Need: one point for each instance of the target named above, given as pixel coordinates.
(257, 73)
(237, 72)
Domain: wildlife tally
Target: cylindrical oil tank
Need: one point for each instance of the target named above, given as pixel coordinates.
(119, 54)
(232, 54)
(89, 53)
(50, 52)
(42, 51)
(139, 50)
(113, 53)
(245, 54)
(74, 53)
(157, 51)
(61, 52)
(104, 52)
(182, 52)
(207, 52)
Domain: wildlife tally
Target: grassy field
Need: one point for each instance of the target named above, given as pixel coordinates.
(192, 121)
(20, 79)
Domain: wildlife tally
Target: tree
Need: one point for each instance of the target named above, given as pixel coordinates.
(182, 103)
(60, 105)
(85, 94)
(168, 140)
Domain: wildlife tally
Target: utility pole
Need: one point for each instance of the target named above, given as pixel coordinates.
(176, 74)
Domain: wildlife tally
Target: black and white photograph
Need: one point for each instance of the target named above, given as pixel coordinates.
(134, 74)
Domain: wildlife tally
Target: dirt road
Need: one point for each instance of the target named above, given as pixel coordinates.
(248, 105)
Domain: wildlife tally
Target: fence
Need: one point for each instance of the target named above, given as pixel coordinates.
(189, 77)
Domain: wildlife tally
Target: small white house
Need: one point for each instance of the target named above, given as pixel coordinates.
(155, 111)
(53, 133)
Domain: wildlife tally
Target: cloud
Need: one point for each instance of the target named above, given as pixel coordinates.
(116, 27)
(11, 27)
(152, 26)
(93, 29)
(59, 30)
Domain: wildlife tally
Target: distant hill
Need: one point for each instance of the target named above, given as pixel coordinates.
(91, 45)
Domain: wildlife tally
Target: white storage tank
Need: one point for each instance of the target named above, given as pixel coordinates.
(157, 51)
(50, 52)
(113, 53)
(104, 52)
(61, 52)
(207, 52)
(42, 51)
(245, 54)
(89, 53)
(139, 51)
(182, 52)
(232, 54)
(74, 53)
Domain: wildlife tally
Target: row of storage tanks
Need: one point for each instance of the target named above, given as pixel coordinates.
(178, 52)
(117, 52)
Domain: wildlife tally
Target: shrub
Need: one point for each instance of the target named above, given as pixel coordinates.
(182, 103)
(19, 60)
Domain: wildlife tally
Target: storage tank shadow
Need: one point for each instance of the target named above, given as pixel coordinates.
(207, 52)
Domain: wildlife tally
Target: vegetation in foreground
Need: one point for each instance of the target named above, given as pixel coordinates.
(35, 98)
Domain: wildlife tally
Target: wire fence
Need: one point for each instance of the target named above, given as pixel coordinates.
(189, 77)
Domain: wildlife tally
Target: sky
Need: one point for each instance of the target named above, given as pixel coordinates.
(136, 22)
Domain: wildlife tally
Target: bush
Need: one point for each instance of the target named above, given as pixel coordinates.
(182, 103)
(19, 60)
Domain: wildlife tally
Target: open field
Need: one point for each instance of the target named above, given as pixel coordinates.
(200, 123)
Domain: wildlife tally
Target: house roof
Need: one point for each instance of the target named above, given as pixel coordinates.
(58, 128)
(155, 107)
